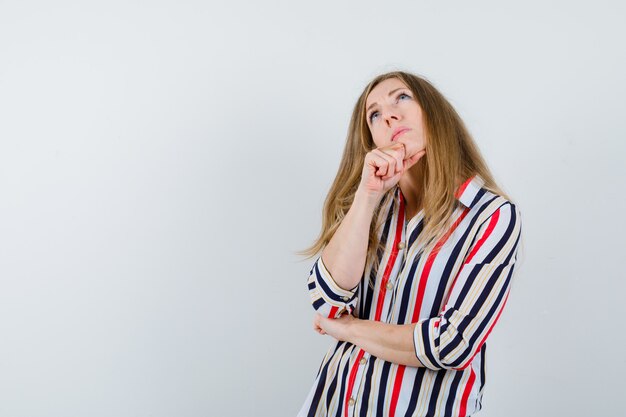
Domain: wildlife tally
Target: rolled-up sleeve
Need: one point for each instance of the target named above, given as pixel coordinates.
(477, 298)
(328, 298)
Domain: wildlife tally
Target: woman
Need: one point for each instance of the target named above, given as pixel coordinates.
(419, 246)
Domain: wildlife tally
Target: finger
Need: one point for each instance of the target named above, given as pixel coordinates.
(397, 151)
(408, 163)
(375, 164)
(401, 153)
(389, 163)
(394, 179)
(384, 162)
(316, 324)
(317, 328)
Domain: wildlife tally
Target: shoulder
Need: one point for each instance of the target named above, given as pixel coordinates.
(497, 211)
(488, 204)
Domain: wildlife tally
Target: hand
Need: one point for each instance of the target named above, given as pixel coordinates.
(338, 328)
(383, 168)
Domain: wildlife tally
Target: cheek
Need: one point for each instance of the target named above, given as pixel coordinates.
(417, 112)
(378, 137)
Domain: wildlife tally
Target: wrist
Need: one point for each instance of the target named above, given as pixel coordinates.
(354, 330)
(366, 199)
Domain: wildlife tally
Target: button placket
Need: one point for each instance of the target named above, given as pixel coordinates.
(390, 295)
(396, 272)
(358, 379)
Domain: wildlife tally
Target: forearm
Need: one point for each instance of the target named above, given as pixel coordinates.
(391, 342)
(345, 254)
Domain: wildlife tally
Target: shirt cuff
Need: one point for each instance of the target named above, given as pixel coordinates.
(326, 293)
(426, 343)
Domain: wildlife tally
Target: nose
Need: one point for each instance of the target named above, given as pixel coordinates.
(389, 115)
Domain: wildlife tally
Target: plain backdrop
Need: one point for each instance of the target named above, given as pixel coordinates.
(161, 163)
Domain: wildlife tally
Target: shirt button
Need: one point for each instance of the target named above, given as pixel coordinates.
(351, 401)
(389, 285)
(400, 245)
(363, 361)
(345, 298)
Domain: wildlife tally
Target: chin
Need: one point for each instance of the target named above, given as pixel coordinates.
(410, 150)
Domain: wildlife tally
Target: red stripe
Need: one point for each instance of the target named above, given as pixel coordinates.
(490, 227)
(397, 384)
(466, 393)
(428, 266)
(355, 367)
(333, 311)
(463, 186)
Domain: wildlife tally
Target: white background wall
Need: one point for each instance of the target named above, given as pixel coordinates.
(161, 162)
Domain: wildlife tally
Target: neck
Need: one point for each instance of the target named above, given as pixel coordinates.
(411, 186)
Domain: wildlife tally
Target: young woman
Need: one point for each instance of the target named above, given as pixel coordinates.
(418, 250)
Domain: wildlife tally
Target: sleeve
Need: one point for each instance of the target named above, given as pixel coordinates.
(476, 298)
(328, 298)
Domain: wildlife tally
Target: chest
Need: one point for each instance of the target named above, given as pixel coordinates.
(412, 284)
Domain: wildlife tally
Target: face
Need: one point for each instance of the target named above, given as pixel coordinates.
(393, 115)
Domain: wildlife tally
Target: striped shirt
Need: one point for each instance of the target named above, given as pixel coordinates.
(455, 293)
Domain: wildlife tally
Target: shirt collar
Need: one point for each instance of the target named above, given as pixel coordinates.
(466, 193)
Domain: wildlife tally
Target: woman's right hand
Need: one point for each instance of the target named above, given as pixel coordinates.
(383, 168)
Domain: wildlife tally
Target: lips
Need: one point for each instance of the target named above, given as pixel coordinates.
(398, 132)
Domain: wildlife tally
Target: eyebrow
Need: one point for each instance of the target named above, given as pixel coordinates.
(390, 93)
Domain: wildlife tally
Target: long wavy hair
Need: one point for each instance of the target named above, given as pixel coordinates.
(451, 157)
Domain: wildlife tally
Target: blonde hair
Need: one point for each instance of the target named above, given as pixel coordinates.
(451, 157)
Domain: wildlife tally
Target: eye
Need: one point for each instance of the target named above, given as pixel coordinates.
(400, 96)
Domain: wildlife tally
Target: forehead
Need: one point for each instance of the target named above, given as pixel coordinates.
(382, 90)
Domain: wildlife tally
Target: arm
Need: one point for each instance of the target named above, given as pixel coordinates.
(477, 297)
(344, 255)
(450, 340)
(391, 342)
(335, 275)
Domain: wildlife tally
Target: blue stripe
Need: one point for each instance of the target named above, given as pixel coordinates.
(325, 288)
(382, 389)
(451, 393)
(425, 331)
(435, 392)
(321, 379)
(417, 390)
(344, 380)
(368, 386)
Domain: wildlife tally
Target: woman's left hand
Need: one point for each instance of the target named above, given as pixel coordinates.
(338, 328)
